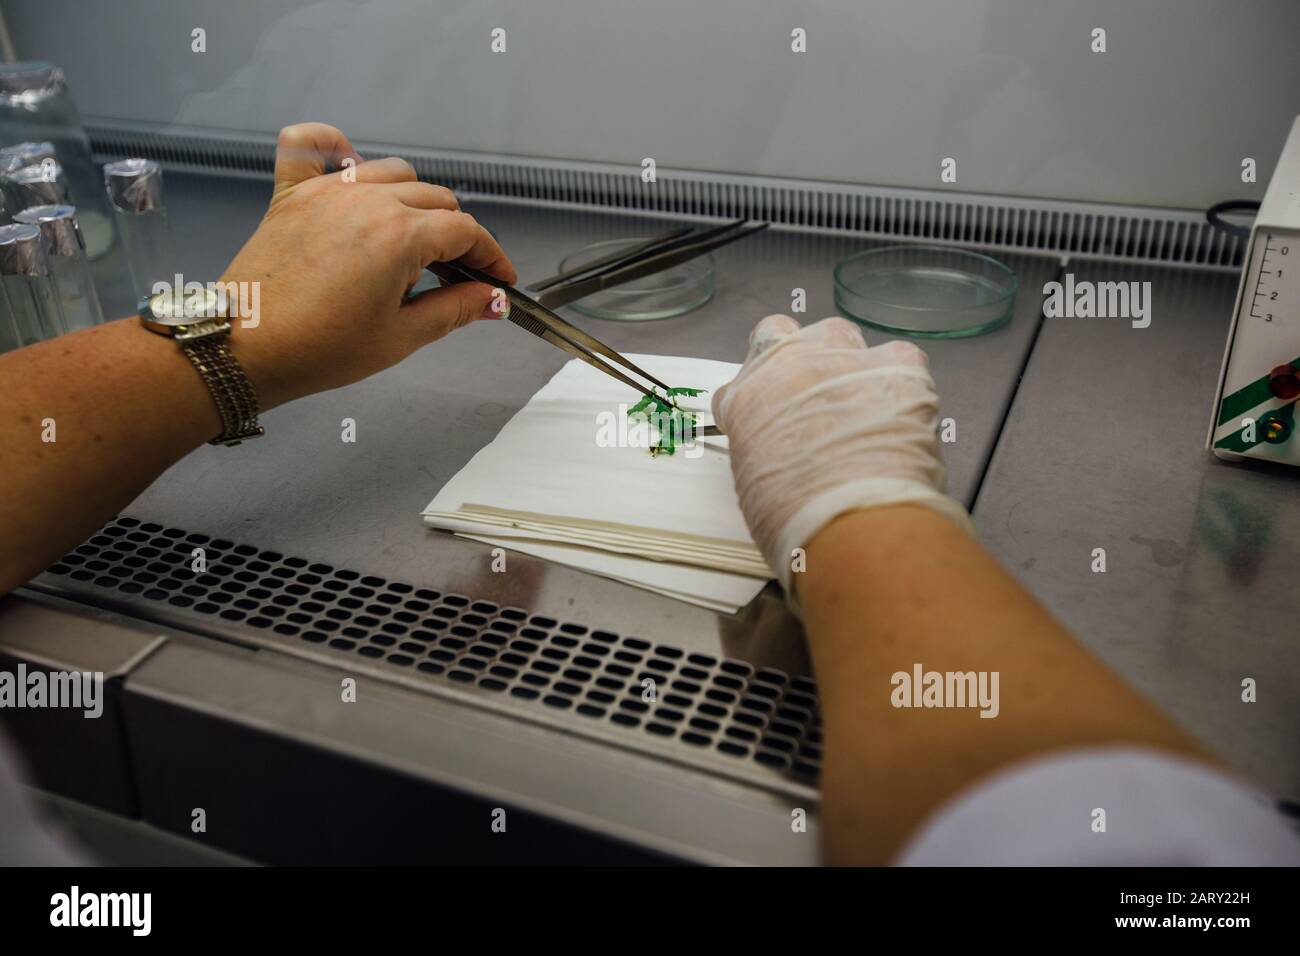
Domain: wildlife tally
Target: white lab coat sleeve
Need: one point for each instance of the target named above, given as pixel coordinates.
(1106, 807)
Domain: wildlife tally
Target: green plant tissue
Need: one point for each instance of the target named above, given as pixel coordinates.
(672, 426)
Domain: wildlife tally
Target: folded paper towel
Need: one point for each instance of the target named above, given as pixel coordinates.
(568, 481)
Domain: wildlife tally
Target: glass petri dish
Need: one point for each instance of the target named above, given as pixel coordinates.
(663, 295)
(925, 291)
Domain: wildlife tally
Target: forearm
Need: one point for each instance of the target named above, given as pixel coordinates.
(890, 588)
(327, 270)
(90, 420)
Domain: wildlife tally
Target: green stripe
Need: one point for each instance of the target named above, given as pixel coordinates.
(1244, 399)
(1235, 443)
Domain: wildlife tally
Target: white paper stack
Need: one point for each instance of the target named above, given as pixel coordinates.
(569, 480)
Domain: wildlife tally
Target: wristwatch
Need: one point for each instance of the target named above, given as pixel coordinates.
(199, 323)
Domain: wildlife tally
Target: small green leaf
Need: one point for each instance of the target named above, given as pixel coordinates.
(640, 406)
(673, 425)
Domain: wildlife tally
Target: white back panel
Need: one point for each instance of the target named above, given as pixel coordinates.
(886, 91)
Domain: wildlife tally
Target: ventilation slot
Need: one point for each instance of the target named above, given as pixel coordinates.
(1170, 237)
(723, 714)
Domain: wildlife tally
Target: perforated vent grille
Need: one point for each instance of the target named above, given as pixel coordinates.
(705, 709)
(1083, 230)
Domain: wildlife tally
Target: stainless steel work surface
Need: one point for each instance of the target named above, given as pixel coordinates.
(261, 740)
(1102, 447)
(540, 776)
(79, 756)
(301, 490)
(1105, 448)
(92, 641)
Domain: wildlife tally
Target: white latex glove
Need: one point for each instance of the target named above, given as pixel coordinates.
(819, 424)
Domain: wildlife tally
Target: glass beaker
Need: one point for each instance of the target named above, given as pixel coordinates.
(35, 107)
(67, 255)
(13, 158)
(40, 185)
(135, 193)
(28, 299)
(17, 155)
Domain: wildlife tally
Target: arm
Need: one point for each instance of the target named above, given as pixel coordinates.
(834, 450)
(333, 259)
(890, 587)
(124, 405)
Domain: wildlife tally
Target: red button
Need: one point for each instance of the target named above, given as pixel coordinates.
(1284, 382)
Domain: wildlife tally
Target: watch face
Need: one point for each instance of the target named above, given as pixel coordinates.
(172, 309)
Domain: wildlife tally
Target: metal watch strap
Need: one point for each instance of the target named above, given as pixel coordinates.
(206, 345)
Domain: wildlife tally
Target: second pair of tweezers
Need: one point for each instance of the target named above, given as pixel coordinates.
(532, 316)
(643, 259)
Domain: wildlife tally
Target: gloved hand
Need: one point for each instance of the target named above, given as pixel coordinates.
(819, 424)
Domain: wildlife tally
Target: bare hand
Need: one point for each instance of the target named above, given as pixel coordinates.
(335, 255)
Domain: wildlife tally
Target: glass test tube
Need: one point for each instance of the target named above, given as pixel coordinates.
(39, 185)
(67, 254)
(32, 311)
(134, 189)
(12, 159)
(35, 107)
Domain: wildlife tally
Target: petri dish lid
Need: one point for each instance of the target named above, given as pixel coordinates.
(665, 294)
(925, 291)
